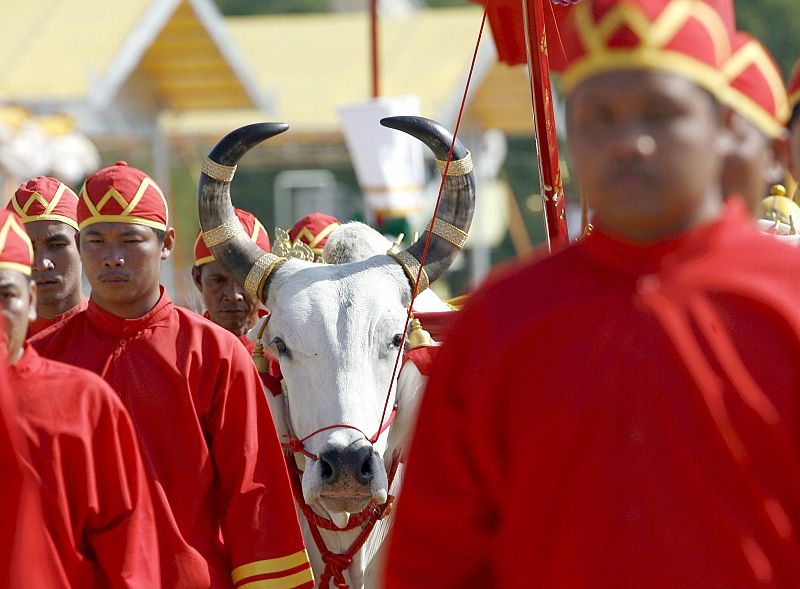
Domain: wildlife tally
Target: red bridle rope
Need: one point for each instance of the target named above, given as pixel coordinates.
(336, 564)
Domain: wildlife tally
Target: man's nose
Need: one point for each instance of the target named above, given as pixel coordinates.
(113, 260)
(632, 142)
(41, 263)
(233, 292)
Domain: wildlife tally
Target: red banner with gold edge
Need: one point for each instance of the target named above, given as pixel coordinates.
(550, 179)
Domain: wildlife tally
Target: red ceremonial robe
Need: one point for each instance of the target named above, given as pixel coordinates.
(27, 557)
(40, 323)
(615, 416)
(84, 452)
(249, 346)
(221, 491)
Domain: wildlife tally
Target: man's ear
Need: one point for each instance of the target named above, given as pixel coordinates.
(778, 162)
(169, 243)
(197, 277)
(32, 302)
(726, 137)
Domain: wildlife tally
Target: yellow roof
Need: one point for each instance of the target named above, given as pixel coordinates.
(76, 50)
(312, 64)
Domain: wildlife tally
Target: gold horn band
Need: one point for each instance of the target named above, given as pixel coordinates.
(260, 272)
(218, 171)
(460, 167)
(412, 268)
(222, 233)
(449, 233)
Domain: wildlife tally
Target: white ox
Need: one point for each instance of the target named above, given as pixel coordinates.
(337, 329)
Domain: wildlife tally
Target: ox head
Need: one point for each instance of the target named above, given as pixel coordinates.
(337, 328)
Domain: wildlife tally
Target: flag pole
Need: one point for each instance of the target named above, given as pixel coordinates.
(552, 188)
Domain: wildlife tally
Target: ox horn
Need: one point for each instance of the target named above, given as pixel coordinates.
(454, 216)
(247, 263)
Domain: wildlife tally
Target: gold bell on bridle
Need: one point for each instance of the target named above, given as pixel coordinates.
(778, 207)
(418, 337)
(259, 358)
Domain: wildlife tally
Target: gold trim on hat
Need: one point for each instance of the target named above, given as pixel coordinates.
(222, 233)
(449, 233)
(12, 226)
(218, 171)
(460, 167)
(655, 36)
(259, 273)
(412, 268)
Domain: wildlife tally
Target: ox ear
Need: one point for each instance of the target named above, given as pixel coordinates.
(353, 242)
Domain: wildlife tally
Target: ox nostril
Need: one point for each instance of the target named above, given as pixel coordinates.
(366, 470)
(328, 470)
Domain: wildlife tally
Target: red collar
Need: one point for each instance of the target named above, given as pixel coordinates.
(630, 257)
(28, 364)
(116, 326)
(40, 324)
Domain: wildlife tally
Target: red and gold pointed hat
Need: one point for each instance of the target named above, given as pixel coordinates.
(122, 194)
(691, 38)
(45, 199)
(252, 226)
(794, 87)
(313, 230)
(16, 251)
(756, 85)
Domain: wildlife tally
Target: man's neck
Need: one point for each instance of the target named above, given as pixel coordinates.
(134, 310)
(52, 311)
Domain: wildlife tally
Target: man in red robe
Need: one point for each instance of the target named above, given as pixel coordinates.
(760, 111)
(794, 121)
(48, 209)
(624, 412)
(82, 446)
(228, 304)
(27, 556)
(221, 491)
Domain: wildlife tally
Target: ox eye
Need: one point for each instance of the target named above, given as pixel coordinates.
(280, 346)
(397, 340)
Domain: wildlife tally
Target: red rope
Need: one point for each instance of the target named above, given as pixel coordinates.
(335, 563)
(435, 210)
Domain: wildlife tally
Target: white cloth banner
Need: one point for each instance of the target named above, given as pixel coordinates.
(389, 164)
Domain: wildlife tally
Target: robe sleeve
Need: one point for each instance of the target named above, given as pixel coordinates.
(446, 511)
(121, 529)
(259, 519)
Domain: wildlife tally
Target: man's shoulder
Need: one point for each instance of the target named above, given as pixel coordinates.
(197, 328)
(535, 278)
(74, 384)
(58, 331)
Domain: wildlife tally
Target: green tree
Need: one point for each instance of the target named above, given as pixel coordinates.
(776, 24)
(245, 7)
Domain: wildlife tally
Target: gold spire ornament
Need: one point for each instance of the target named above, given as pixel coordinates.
(285, 248)
(418, 337)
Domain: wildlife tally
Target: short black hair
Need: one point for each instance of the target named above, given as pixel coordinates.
(160, 235)
(795, 116)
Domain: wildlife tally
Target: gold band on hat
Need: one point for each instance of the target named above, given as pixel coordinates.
(260, 272)
(412, 268)
(222, 233)
(449, 233)
(460, 167)
(218, 171)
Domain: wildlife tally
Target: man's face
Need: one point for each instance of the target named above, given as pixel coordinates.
(56, 264)
(227, 303)
(794, 146)
(747, 167)
(122, 262)
(17, 308)
(648, 149)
